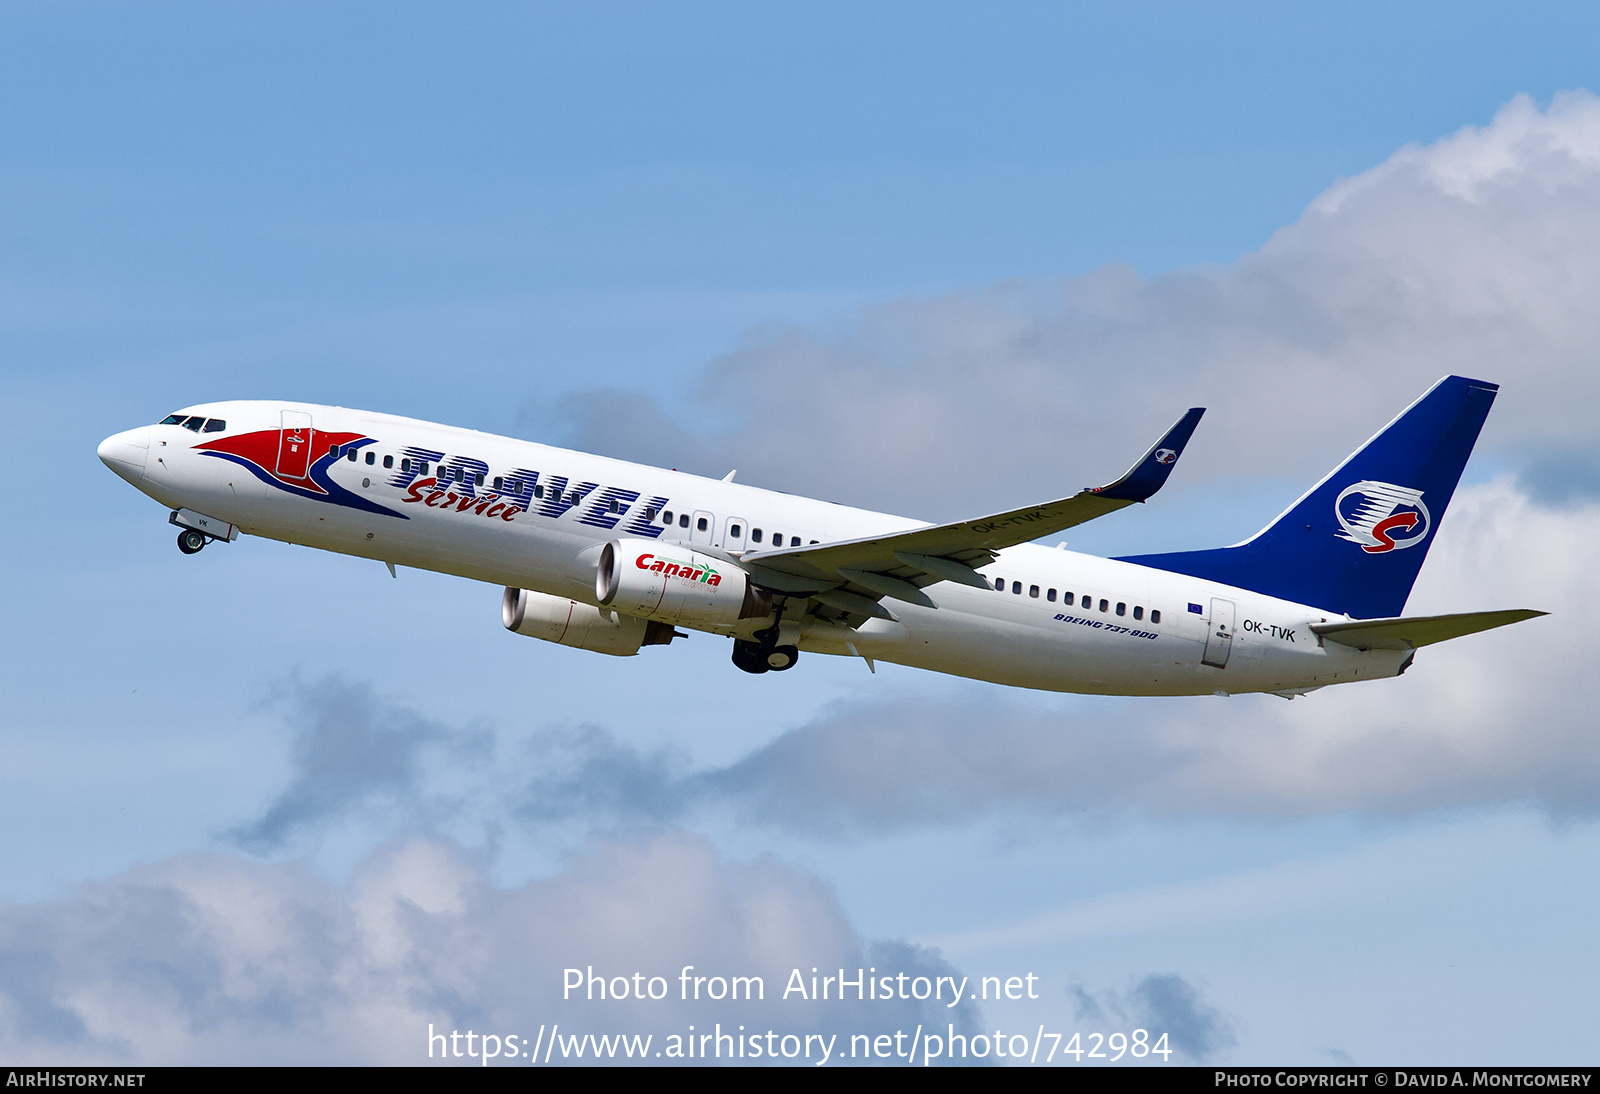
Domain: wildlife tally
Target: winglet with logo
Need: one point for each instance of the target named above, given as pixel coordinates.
(1150, 473)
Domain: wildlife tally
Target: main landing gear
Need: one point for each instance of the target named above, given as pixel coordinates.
(764, 654)
(190, 542)
(757, 658)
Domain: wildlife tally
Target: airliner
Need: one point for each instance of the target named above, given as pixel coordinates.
(612, 557)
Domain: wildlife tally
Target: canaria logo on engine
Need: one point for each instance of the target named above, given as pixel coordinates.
(1382, 517)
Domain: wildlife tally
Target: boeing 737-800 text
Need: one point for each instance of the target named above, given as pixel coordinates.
(613, 556)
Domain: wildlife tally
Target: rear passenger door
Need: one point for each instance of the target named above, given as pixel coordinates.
(1219, 639)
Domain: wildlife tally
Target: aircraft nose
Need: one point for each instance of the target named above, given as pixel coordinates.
(126, 453)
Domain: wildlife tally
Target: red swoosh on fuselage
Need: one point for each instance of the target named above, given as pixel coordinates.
(261, 448)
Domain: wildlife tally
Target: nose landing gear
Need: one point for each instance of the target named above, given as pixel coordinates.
(195, 530)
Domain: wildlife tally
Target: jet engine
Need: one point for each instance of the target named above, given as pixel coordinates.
(673, 584)
(557, 619)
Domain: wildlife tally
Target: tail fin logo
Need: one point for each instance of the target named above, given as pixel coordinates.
(1382, 517)
(1165, 455)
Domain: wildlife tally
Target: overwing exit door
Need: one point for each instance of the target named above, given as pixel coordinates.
(1219, 640)
(701, 529)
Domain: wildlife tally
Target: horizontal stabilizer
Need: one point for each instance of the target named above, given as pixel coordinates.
(1421, 630)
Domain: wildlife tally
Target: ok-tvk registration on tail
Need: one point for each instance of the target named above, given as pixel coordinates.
(612, 556)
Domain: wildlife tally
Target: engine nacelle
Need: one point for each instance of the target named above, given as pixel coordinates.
(557, 619)
(673, 584)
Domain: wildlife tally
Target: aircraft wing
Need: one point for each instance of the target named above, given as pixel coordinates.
(853, 574)
(1400, 633)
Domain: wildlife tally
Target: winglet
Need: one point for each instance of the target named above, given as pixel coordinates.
(1150, 473)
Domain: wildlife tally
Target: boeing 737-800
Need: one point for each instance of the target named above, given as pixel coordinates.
(613, 556)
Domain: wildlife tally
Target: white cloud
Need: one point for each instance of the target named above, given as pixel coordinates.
(209, 959)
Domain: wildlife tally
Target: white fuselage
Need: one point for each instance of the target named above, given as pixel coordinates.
(1130, 630)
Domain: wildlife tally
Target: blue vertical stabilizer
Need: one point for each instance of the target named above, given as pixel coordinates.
(1354, 543)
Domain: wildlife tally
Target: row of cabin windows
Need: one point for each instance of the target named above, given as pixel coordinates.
(735, 531)
(459, 474)
(1086, 601)
(448, 474)
(197, 422)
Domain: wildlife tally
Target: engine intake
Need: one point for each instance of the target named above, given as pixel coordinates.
(674, 584)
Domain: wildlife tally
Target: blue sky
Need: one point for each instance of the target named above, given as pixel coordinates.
(795, 240)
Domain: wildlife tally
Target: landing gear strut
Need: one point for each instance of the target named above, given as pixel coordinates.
(190, 541)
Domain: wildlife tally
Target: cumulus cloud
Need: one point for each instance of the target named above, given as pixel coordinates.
(1477, 254)
(1161, 1003)
(210, 959)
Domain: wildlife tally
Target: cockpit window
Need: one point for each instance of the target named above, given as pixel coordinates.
(173, 419)
(195, 422)
(214, 425)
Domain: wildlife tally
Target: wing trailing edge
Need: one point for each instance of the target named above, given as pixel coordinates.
(901, 564)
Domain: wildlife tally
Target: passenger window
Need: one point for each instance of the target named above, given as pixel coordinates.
(1138, 612)
(735, 531)
(195, 422)
(172, 419)
(999, 584)
(215, 425)
(666, 516)
(1050, 596)
(813, 541)
(350, 455)
(405, 464)
(477, 479)
(575, 498)
(615, 508)
(388, 461)
(683, 520)
(497, 482)
(538, 491)
(1104, 604)
(1122, 609)
(1016, 588)
(1155, 615)
(755, 535)
(372, 458)
(1033, 591)
(423, 464)
(1066, 598)
(700, 524)
(333, 450)
(649, 513)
